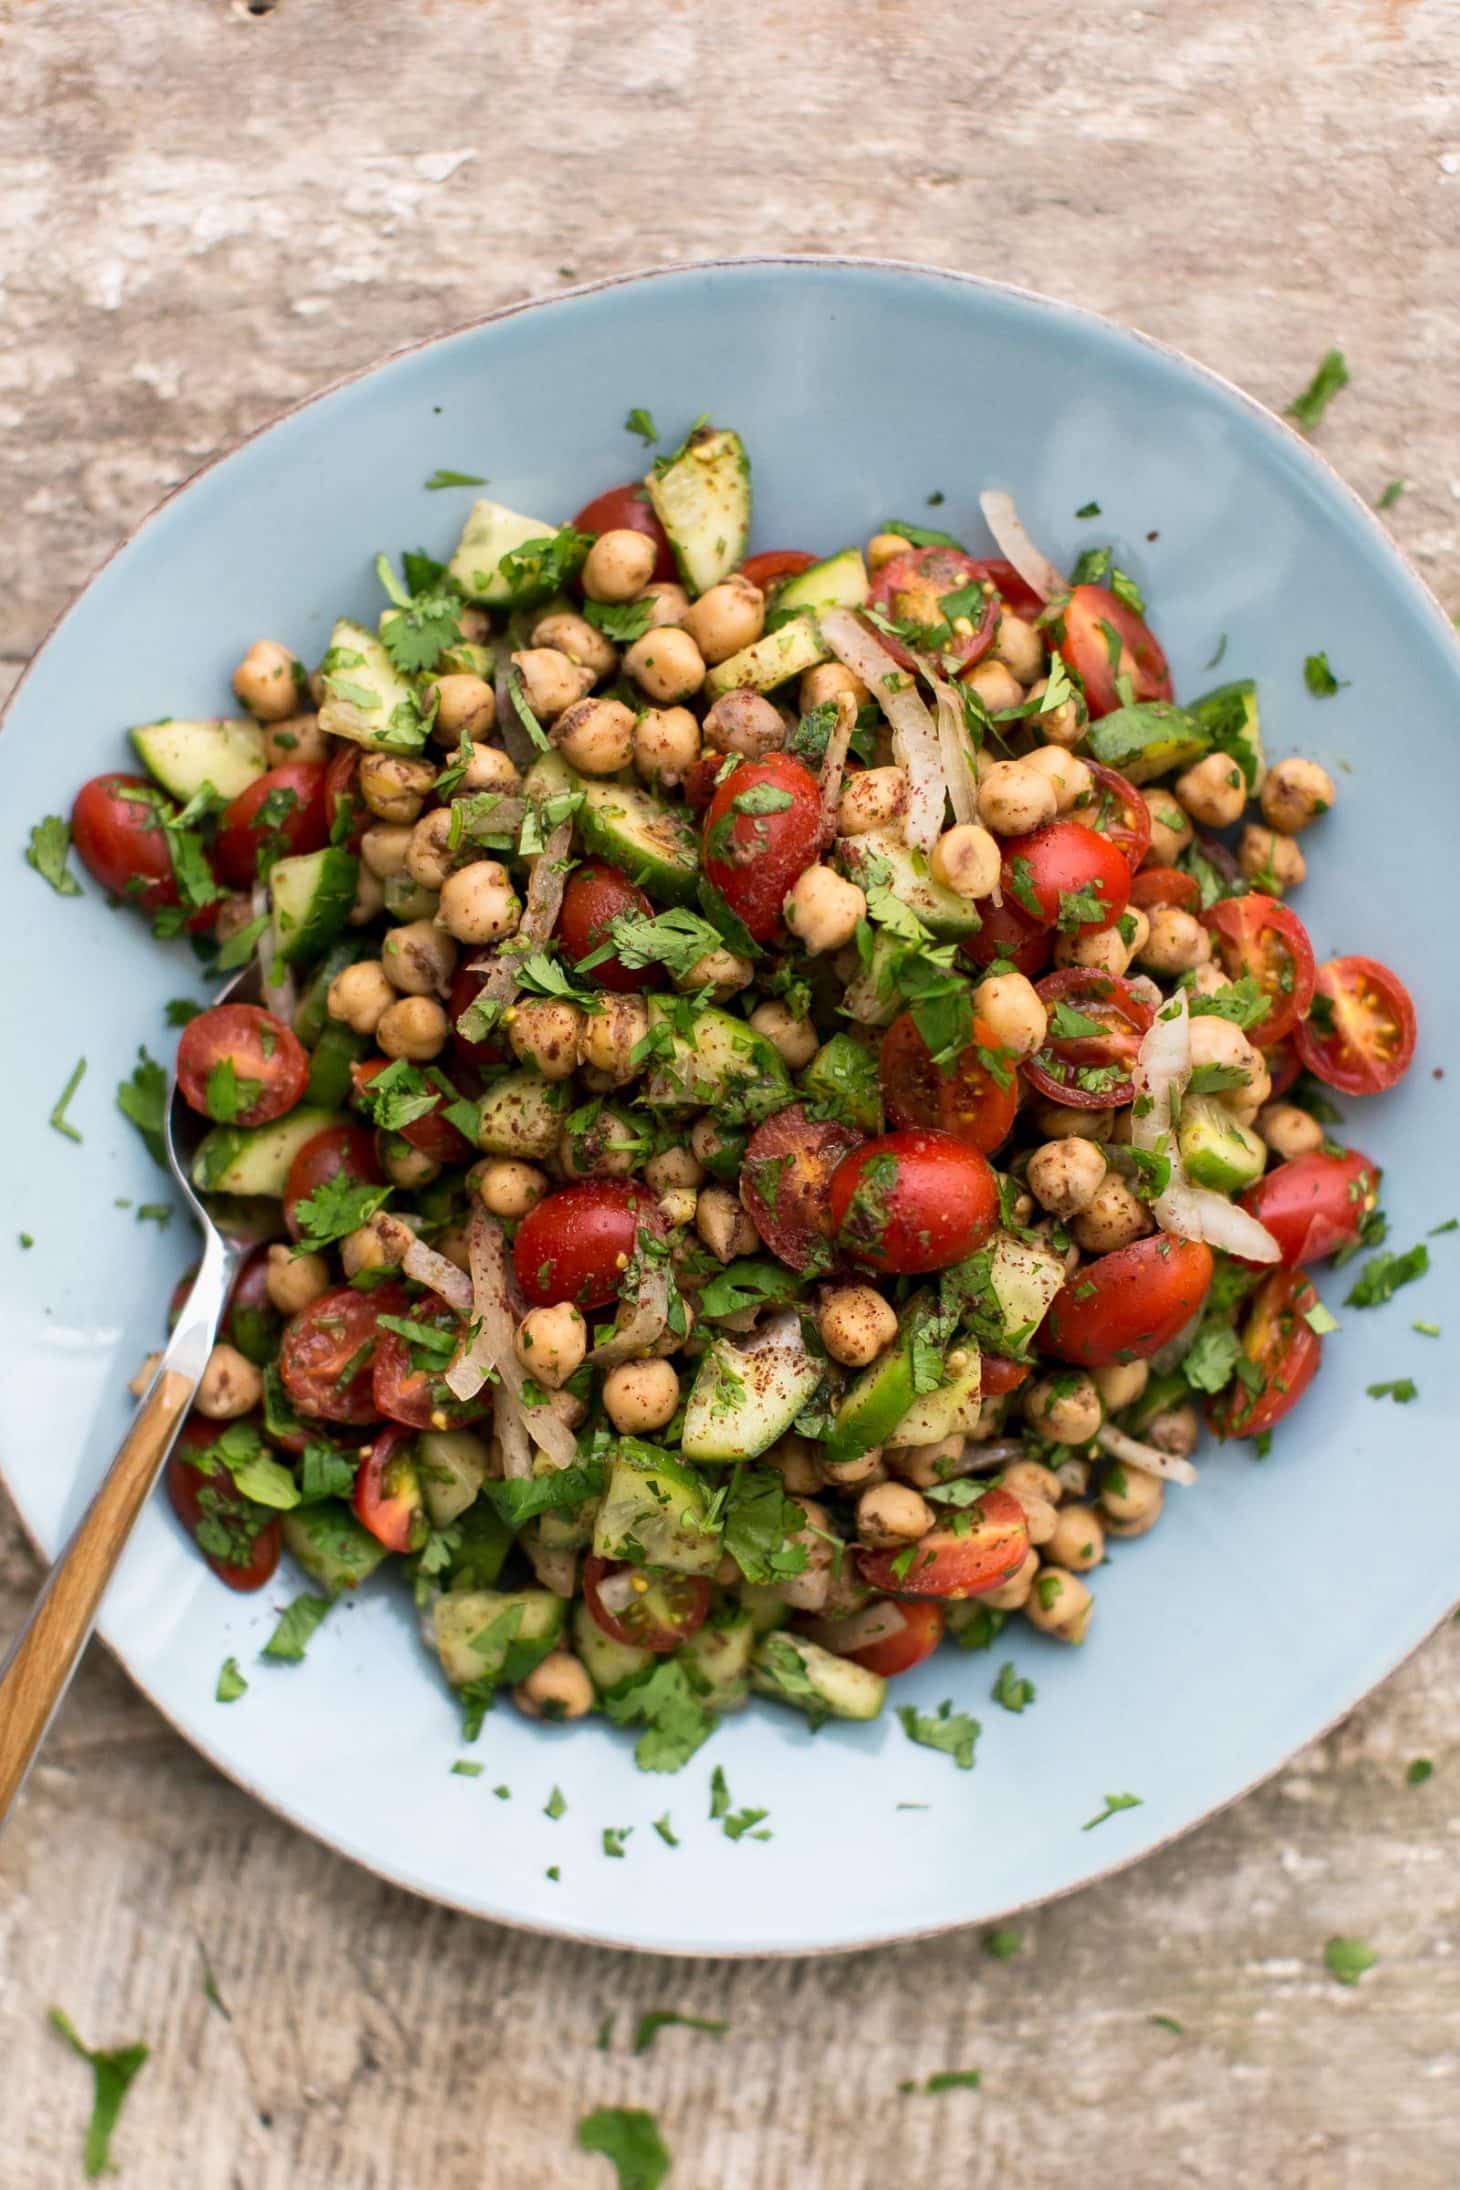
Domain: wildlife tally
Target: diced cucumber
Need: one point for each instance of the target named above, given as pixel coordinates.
(330, 1079)
(766, 1604)
(608, 1662)
(1023, 1280)
(311, 895)
(1230, 719)
(255, 1159)
(465, 659)
(522, 1115)
(494, 1634)
(367, 700)
(702, 499)
(723, 1065)
(653, 844)
(183, 756)
(452, 1465)
(770, 660)
(311, 1015)
(882, 858)
(842, 1076)
(839, 582)
(1147, 740)
(1216, 1150)
(492, 531)
(815, 1680)
(873, 998)
(746, 1396)
(566, 1528)
(331, 1546)
(719, 1653)
(483, 1541)
(876, 1402)
(951, 1411)
(653, 1513)
(408, 899)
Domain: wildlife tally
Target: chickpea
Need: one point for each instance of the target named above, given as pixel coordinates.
(1101, 950)
(720, 971)
(796, 1039)
(1217, 1041)
(1078, 1540)
(726, 617)
(995, 685)
(1175, 1430)
(1014, 798)
(723, 1225)
(640, 1396)
(1176, 943)
(465, 706)
(1013, 1595)
(596, 736)
(1065, 1175)
(1063, 1121)
(1073, 783)
(369, 898)
(868, 1467)
(1131, 1499)
(393, 787)
(1245, 1102)
(827, 681)
(823, 909)
(559, 1687)
(551, 1343)
(1027, 1479)
(666, 664)
(479, 904)
(1171, 829)
(550, 682)
(293, 1281)
(608, 1038)
(856, 1323)
(417, 958)
(885, 547)
(545, 1033)
(871, 799)
(668, 603)
(1289, 1131)
(1019, 647)
(1059, 1604)
(1116, 1215)
(1065, 1407)
(666, 744)
(297, 737)
(619, 564)
(416, 1028)
(744, 722)
(384, 848)
(1295, 792)
(711, 1145)
(382, 1244)
(1063, 725)
(580, 640)
(796, 1460)
(429, 858)
(1011, 1009)
(966, 858)
(1273, 861)
(488, 769)
(1213, 790)
(359, 995)
(609, 1148)
(677, 1205)
(229, 1386)
(267, 681)
(889, 1514)
(1121, 1383)
(506, 1188)
(1208, 980)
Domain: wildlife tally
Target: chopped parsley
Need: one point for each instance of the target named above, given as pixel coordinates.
(944, 2079)
(1391, 494)
(629, 2138)
(58, 1119)
(1347, 1959)
(954, 1732)
(1088, 509)
(657, 2019)
(231, 1683)
(1320, 679)
(662, 1699)
(1308, 408)
(297, 1623)
(439, 479)
(556, 1805)
(49, 848)
(1003, 1943)
(1401, 1389)
(1011, 1690)
(614, 1837)
(640, 422)
(143, 1099)
(338, 1206)
(1384, 1273)
(113, 2071)
(1418, 1772)
(1113, 1803)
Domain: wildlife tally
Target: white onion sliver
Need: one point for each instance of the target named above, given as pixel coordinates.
(1137, 1455)
(914, 736)
(834, 761)
(642, 1317)
(491, 1348)
(953, 750)
(873, 1624)
(512, 1435)
(1007, 527)
(428, 1268)
(1162, 1069)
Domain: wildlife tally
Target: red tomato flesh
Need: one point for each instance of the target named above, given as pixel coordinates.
(628, 509)
(387, 1496)
(1089, 1071)
(785, 1181)
(208, 1499)
(432, 1134)
(116, 824)
(1165, 886)
(347, 1148)
(282, 812)
(1010, 935)
(327, 1353)
(772, 563)
(1088, 613)
(1127, 1305)
(973, 1099)
(575, 1245)
(1068, 876)
(595, 895)
(342, 792)
(465, 989)
(406, 1380)
(1118, 810)
(1000, 1375)
(917, 1638)
(910, 590)
(1315, 1204)
(647, 1611)
(1280, 1343)
(269, 1069)
(947, 1563)
(1359, 1034)
(1257, 935)
(762, 830)
(913, 1201)
(251, 1322)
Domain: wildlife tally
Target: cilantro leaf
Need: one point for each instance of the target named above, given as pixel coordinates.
(1421, 1769)
(143, 1099)
(297, 1622)
(945, 2079)
(231, 1683)
(439, 479)
(1210, 1362)
(954, 1732)
(50, 845)
(1088, 509)
(324, 1472)
(1391, 494)
(1244, 1002)
(225, 1097)
(1331, 376)
(1113, 1803)
(663, 1699)
(657, 2019)
(629, 2138)
(1319, 678)
(1013, 1692)
(112, 2072)
(337, 1207)
(620, 621)
(518, 1499)
(1401, 1389)
(1347, 1959)
(1003, 1943)
(675, 939)
(1066, 1024)
(921, 536)
(640, 422)
(1384, 1273)
(760, 1521)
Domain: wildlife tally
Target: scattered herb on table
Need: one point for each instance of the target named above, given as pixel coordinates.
(113, 2071)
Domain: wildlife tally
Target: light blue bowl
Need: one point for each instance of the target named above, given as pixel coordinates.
(1270, 1598)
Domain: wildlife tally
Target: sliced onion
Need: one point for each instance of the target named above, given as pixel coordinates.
(1014, 543)
(1162, 1069)
(953, 749)
(834, 761)
(914, 737)
(490, 1349)
(428, 1268)
(511, 1426)
(643, 1313)
(555, 1565)
(875, 1623)
(1137, 1455)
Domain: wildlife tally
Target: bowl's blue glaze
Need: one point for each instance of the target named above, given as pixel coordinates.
(1270, 1598)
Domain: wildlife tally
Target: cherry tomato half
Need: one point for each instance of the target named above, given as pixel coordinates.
(116, 824)
(281, 812)
(628, 509)
(772, 563)
(999, 1375)
(406, 1381)
(785, 1181)
(347, 1148)
(1360, 1030)
(327, 1352)
(342, 790)
(1068, 876)
(595, 895)
(700, 778)
(974, 1098)
(1115, 808)
(1282, 1064)
(917, 1638)
(1127, 1305)
(576, 1243)
(1315, 1204)
(251, 1322)
(1089, 612)
(1257, 935)
(432, 1134)
(1282, 1346)
(1089, 1071)
(913, 1201)
(953, 1562)
(466, 987)
(1009, 934)
(910, 590)
(387, 1497)
(654, 1612)
(240, 1065)
(762, 830)
(1165, 886)
(206, 1499)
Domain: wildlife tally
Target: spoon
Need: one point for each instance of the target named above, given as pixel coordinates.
(38, 1667)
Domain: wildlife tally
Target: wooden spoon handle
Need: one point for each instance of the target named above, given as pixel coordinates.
(34, 1676)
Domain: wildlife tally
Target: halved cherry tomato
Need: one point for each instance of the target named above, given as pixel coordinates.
(1009, 934)
(1257, 935)
(762, 830)
(1016, 593)
(432, 1134)
(957, 1561)
(910, 590)
(1280, 1345)
(466, 987)
(281, 812)
(387, 1497)
(576, 1243)
(342, 790)
(1315, 1204)
(785, 1180)
(261, 1065)
(1282, 1064)
(628, 509)
(251, 1322)
(1000, 1375)
(1088, 613)
(1065, 875)
(699, 780)
(913, 1201)
(406, 1381)
(917, 1638)
(116, 823)
(206, 1499)
(772, 563)
(595, 895)
(973, 1099)
(1165, 886)
(647, 1611)
(1127, 1305)
(327, 1352)
(1360, 1030)
(1089, 1071)
(1118, 810)
(347, 1148)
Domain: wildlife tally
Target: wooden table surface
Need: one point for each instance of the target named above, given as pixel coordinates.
(207, 211)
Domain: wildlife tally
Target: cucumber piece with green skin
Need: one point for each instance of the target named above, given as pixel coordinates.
(766, 1604)
(1023, 1280)
(311, 1015)
(722, 1065)
(494, 1634)
(1216, 1149)
(367, 700)
(452, 1466)
(331, 1546)
(842, 1078)
(653, 1513)
(873, 999)
(952, 1410)
(702, 499)
(879, 1399)
(522, 1115)
(311, 896)
(227, 753)
(330, 1079)
(255, 1159)
(881, 858)
(1230, 718)
(653, 844)
(1147, 740)
(464, 658)
(840, 582)
(719, 1654)
(746, 1396)
(608, 1662)
(815, 1680)
(492, 531)
(769, 661)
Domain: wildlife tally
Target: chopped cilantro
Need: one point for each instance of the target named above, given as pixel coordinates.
(49, 848)
(1426, 1330)
(759, 1522)
(676, 1723)
(1211, 1360)
(666, 1831)
(1347, 1959)
(620, 621)
(143, 1099)
(337, 1207)
(1391, 494)
(1003, 1943)
(614, 1837)
(1384, 1273)
(1066, 1024)
(1331, 376)
(629, 2138)
(1088, 509)
(1419, 1771)
(1112, 1804)
(465, 1769)
(1168, 2022)
(226, 1097)
(556, 1805)
(564, 1490)
(439, 479)
(640, 422)
(657, 2019)
(945, 2079)
(58, 1119)
(1319, 678)
(954, 1732)
(113, 2071)
(1011, 1690)
(231, 1683)
(297, 1623)
(1401, 1389)
(921, 536)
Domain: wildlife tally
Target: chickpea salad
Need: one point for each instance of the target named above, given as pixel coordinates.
(789, 1085)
